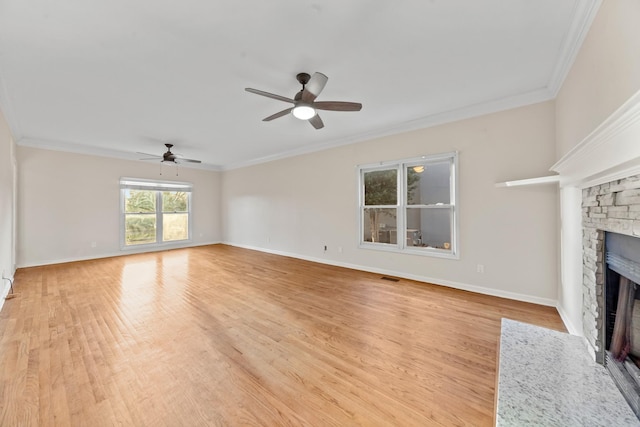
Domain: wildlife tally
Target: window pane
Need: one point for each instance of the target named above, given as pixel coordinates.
(139, 201)
(381, 187)
(379, 225)
(429, 183)
(174, 201)
(140, 229)
(429, 227)
(175, 226)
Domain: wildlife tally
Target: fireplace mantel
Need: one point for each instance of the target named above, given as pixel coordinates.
(610, 152)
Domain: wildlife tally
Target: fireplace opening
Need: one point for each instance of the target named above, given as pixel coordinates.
(622, 314)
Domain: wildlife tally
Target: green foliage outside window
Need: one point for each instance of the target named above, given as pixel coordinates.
(140, 201)
(174, 201)
(381, 189)
(140, 229)
(154, 215)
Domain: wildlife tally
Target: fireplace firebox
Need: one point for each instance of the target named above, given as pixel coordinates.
(622, 314)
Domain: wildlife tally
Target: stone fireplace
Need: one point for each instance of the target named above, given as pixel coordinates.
(609, 207)
(611, 250)
(599, 193)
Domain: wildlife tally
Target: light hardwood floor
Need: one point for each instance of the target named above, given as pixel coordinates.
(217, 335)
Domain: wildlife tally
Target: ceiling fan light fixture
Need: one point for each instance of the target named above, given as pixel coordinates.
(303, 112)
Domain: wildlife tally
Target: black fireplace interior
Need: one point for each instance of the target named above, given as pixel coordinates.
(622, 314)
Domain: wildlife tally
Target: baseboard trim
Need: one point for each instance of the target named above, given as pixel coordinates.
(112, 254)
(5, 291)
(418, 278)
(571, 327)
(436, 281)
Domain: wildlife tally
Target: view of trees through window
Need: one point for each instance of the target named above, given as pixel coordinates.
(381, 199)
(410, 205)
(143, 219)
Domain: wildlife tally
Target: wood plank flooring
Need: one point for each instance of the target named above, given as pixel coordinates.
(217, 336)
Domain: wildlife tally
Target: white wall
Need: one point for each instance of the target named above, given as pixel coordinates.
(570, 289)
(295, 206)
(605, 74)
(67, 201)
(7, 205)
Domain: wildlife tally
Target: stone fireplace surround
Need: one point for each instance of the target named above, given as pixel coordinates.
(612, 206)
(599, 191)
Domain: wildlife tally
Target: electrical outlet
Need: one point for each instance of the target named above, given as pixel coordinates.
(339, 249)
(94, 244)
(480, 268)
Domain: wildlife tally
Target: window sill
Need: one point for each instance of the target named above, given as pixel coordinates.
(174, 244)
(430, 252)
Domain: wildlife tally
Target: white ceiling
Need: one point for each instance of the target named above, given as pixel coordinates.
(114, 77)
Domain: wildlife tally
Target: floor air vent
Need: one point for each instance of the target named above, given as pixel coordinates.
(391, 279)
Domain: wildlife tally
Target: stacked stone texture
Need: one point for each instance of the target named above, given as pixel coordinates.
(614, 206)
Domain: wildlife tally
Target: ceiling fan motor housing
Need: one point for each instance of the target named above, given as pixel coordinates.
(303, 78)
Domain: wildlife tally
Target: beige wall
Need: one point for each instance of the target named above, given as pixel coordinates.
(605, 74)
(297, 205)
(67, 201)
(7, 203)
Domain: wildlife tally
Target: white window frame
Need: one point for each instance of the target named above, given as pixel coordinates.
(158, 187)
(401, 206)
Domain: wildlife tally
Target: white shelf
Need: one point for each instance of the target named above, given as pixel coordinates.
(531, 181)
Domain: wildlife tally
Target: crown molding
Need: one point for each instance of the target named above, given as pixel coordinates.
(480, 109)
(69, 147)
(584, 12)
(610, 152)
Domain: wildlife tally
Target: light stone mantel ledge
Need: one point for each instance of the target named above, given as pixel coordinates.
(610, 152)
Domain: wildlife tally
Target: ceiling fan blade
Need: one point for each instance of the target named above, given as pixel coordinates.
(337, 106)
(314, 87)
(189, 160)
(269, 95)
(278, 114)
(316, 122)
(151, 158)
(147, 154)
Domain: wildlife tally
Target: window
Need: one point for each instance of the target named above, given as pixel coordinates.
(412, 198)
(154, 213)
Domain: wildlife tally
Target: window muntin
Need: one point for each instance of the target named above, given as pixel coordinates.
(155, 213)
(419, 204)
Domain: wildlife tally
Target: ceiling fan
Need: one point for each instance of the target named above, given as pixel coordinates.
(304, 104)
(169, 157)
